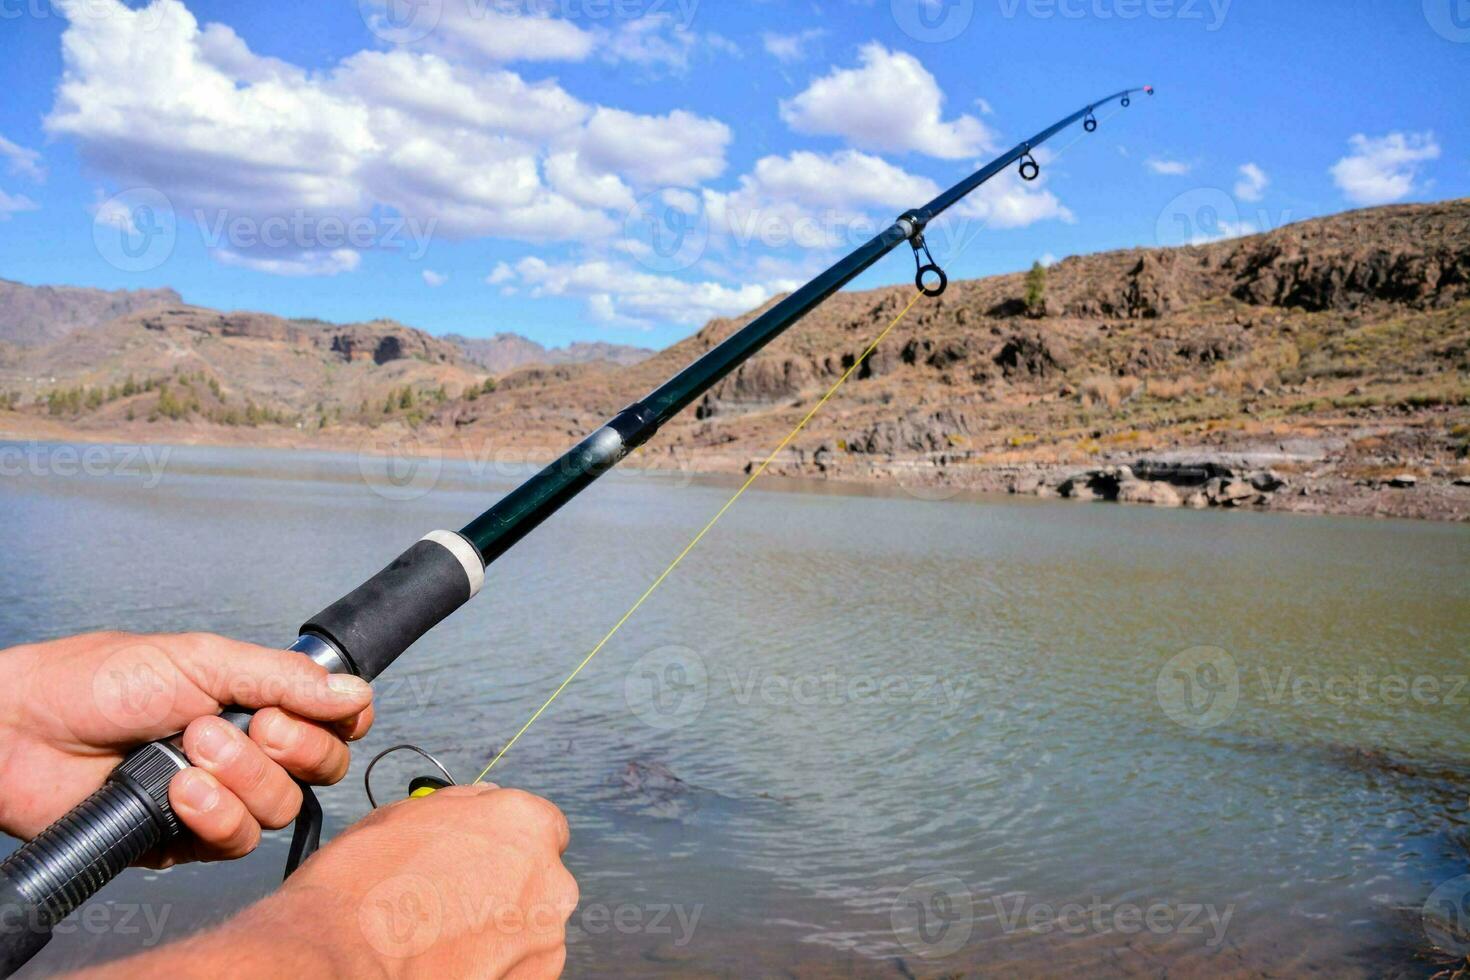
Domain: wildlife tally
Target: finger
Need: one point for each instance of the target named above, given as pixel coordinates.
(523, 810)
(303, 748)
(357, 726)
(244, 769)
(223, 826)
(251, 676)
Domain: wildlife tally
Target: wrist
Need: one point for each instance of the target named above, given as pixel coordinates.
(309, 929)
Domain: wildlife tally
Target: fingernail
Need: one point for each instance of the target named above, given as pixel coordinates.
(280, 733)
(349, 686)
(198, 791)
(216, 742)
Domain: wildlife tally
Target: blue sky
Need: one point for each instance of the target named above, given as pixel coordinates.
(487, 165)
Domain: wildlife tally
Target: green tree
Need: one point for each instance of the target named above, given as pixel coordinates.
(405, 398)
(1036, 289)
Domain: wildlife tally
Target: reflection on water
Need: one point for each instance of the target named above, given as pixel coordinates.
(858, 734)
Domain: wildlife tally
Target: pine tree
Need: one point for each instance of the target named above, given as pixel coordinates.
(1036, 289)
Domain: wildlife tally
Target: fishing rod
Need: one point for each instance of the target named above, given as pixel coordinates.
(364, 632)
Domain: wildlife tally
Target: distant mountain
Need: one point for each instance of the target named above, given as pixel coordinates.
(59, 343)
(222, 366)
(507, 352)
(31, 316)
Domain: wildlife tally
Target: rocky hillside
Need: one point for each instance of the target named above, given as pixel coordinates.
(1334, 354)
(1324, 366)
(509, 351)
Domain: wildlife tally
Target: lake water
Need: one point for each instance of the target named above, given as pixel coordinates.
(854, 734)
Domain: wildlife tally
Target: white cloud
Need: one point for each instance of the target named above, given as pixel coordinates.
(891, 103)
(1007, 201)
(154, 99)
(1252, 183)
(502, 273)
(435, 279)
(301, 264)
(1224, 231)
(1384, 169)
(676, 150)
(790, 48)
(13, 203)
(619, 295)
(1169, 168)
(21, 161)
(497, 32)
(653, 41)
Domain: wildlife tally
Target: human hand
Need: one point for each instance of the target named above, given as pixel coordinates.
(72, 708)
(467, 882)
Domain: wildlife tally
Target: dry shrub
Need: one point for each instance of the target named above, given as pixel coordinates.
(1173, 389)
(1112, 392)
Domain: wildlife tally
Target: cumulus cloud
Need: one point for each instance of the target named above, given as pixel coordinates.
(1252, 183)
(890, 103)
(814, 200)
(20, 161)
(1384, 169)
(679, 149)
(152, 98)
(791, 48)
(1168, 168)
(619, 295)
(655, 41)
(1007, 201)
(496, 32)
(435, 279)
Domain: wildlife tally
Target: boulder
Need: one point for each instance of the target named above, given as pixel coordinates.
(1266, 481)
(1402, 481)
(1148, 492)
(1233, 493)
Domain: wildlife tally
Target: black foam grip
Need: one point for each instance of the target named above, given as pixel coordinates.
(43, 881)
(377, 621)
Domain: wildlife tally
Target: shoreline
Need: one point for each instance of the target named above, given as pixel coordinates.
(1240, 480)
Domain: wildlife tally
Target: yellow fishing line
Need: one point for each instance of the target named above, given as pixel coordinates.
(703, 531)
